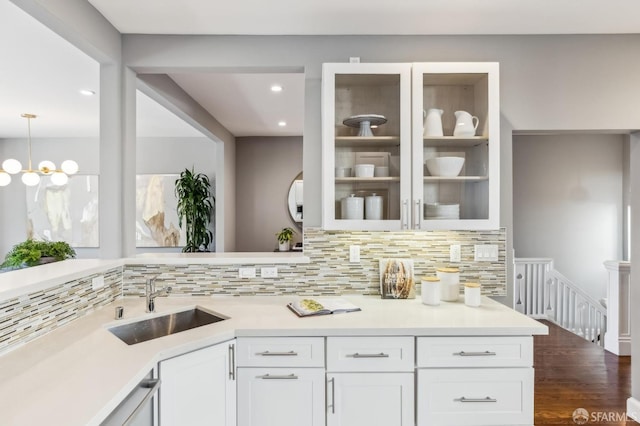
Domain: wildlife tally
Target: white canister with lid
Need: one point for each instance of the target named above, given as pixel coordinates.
(472, 294)
(373, 207)
(352, 207)
(449, 283)
(430, 290)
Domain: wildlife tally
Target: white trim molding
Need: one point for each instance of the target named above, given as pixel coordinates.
(633, 409)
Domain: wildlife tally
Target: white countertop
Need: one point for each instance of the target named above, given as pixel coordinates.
(77, 374)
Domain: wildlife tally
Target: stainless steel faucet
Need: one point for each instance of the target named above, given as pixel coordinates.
(151, 293)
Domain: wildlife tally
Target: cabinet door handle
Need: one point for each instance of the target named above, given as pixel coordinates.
(485, 353)
(333, 395)
(405, 214)
(417, 216)
(267, 353)
(232, 362)
(278, 377)
(380, 355)
(486, 399)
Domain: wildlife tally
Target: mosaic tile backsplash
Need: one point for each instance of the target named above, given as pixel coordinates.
(329, 272)
(27, 317)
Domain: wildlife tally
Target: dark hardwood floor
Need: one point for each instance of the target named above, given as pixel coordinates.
(572, 373)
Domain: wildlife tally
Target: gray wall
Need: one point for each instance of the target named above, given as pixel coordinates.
(567, 203)
(265, 167)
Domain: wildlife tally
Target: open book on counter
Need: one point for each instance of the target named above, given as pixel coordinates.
(321, 306)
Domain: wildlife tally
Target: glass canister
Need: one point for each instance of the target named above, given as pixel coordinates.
(430, 290)
(472, 294)
(449, 283)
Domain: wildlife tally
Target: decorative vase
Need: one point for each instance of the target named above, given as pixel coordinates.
(285, 246)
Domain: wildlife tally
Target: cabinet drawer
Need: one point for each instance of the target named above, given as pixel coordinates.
(280, 352)
(507, 351)
(483, 396)
(370, 353)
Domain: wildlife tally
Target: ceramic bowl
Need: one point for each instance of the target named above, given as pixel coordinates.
(445, 166)
(364, 170)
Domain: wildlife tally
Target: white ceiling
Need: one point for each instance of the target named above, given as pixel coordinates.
(372, 16)
(42, 73)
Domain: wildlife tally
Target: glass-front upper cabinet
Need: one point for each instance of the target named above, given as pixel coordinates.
(366, 126)
(456, 144)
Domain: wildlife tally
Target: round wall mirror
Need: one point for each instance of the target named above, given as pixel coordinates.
(295, 199)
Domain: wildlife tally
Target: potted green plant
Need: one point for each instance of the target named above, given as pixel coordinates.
(284, 239)
(34, 252)
(195, 205)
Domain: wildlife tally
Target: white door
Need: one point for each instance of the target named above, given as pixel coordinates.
(355, 399)
(199, 388)
(281, 397)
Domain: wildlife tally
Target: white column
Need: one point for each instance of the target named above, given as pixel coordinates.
(617, 339)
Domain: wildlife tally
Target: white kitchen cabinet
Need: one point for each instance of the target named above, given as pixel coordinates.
(280, 396)
(472, 87)
(350, 90)
(370, 399)
(199, 388)
(370, 380)
(281, 381)
(402, 93)
(475, 380)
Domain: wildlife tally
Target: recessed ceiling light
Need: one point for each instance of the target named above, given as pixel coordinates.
(282, 123)
(87, 92)
(276, 88)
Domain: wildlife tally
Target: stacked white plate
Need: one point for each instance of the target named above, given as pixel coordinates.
(442, 211)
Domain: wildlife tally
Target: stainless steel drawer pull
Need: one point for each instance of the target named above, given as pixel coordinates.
(380, 355)
(486, 399)
(279, 377)
(485, 353)
(267, 353)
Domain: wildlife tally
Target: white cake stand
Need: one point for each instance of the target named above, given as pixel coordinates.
(364, 122)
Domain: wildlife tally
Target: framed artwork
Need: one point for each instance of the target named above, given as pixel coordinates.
(396, 279)
(156, 215)
(64, 213)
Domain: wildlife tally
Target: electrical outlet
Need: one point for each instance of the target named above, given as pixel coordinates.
(486, 253)
(246, 272)
(455, 253)
(269, 272)
(97, 282)
(354, 254)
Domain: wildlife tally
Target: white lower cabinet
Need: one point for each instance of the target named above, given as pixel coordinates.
(474, 380)
(370, 381)
(355, 399)
(281, 396)
(281, 381)
(475, 396)
(199, 388)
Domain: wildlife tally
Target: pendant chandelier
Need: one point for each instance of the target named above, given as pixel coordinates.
(30, 176)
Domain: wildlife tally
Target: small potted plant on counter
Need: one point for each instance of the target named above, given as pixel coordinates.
(33, 252)
(284, 239)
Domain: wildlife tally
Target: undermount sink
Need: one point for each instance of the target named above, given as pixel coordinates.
(165, 325)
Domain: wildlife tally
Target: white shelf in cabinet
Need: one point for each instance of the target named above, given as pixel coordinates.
(455, 141)
(443, 179)
(373, 141)
(368, 179)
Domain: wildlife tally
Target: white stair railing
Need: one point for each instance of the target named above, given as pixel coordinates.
(544, 293)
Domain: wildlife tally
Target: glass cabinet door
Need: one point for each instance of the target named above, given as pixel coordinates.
(366, 146)
(455, 146)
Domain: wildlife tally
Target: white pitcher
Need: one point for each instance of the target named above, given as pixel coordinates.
(465, 124)
(433, 122)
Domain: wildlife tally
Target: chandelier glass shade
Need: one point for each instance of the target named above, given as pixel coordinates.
(31, 176)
